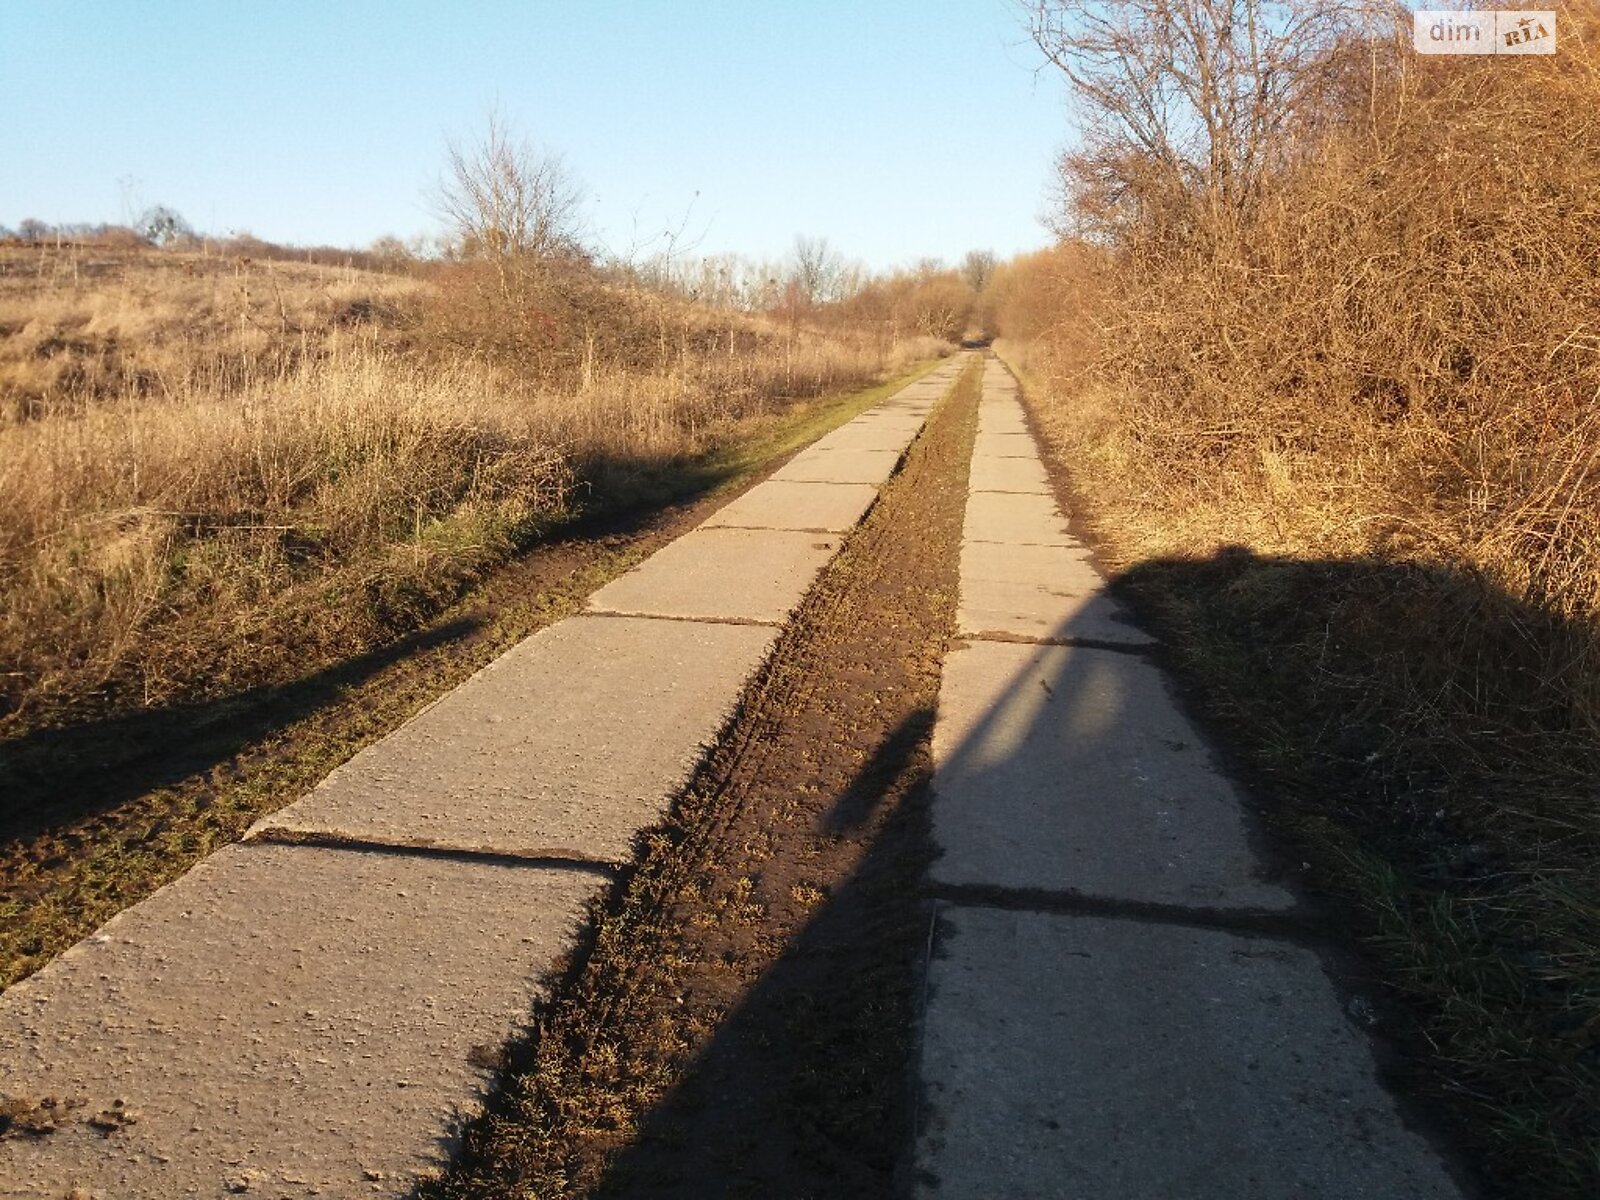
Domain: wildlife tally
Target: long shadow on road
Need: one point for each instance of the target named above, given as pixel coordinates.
(798, 1082)
(58, 776)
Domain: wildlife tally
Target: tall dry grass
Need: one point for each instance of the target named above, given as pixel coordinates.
(234, 490)
(84, 322)
(1386, 390)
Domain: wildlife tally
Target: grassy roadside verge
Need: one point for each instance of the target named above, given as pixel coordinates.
(1395, 714)
(102, 813)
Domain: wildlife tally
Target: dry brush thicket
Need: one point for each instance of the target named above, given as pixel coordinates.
(1377, 380)
(220, 473)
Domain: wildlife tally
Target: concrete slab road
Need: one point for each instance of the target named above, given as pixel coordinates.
(314, 1018)
(565, 746)
(1078, 1058)
(282, 1021)
(1096, 1026)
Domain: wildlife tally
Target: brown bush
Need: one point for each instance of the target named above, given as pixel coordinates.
(1387, 375)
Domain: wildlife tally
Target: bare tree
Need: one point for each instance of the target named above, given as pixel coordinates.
(1185, 104)
(510, 204)
(977, 267)
(818, 269)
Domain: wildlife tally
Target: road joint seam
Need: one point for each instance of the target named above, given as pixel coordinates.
(782, 528)
(706, 620)
(1286, 925)
(539, 859)
(1137, 649)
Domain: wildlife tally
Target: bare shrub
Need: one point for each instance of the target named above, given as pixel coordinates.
(512, 205)
(1390, 362)
(1184, 106)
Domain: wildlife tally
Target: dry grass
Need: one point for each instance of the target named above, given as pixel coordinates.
(88, 322)
(220, 475)
(1385, 392)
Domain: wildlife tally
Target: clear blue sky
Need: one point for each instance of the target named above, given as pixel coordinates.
(895, 128)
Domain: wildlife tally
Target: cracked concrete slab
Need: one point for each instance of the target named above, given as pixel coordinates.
(567, 744)
(1041, 592)
(891, 417)
(784, 504)
(1066, 566)
(282, 1021)
(1025, 519)
(1038, 613)
(1087, 1058)
(903, 420)
(1068, 769)
(722, 574)
(1009, 475)
(841, 466)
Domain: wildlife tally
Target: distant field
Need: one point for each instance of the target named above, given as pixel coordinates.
(219, 471)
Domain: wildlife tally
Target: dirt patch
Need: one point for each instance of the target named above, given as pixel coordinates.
(96, 816)
(741, 1022)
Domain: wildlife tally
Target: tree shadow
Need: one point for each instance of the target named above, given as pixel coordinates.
(1297, 694)
(54, 777)
(800, 1090)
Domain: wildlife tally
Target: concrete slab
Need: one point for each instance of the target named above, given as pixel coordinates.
(1040, 613)
(891, 434)
(1009, 475)
(567, 744)
(1073, 1058)
(1066, 567)
(841, 466)
(1004, 418)
(1017, 519)
(723, 574)
(1004, 445)
(1070, 769)
(282, 1021)
(784, 504)
(1043, 592)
